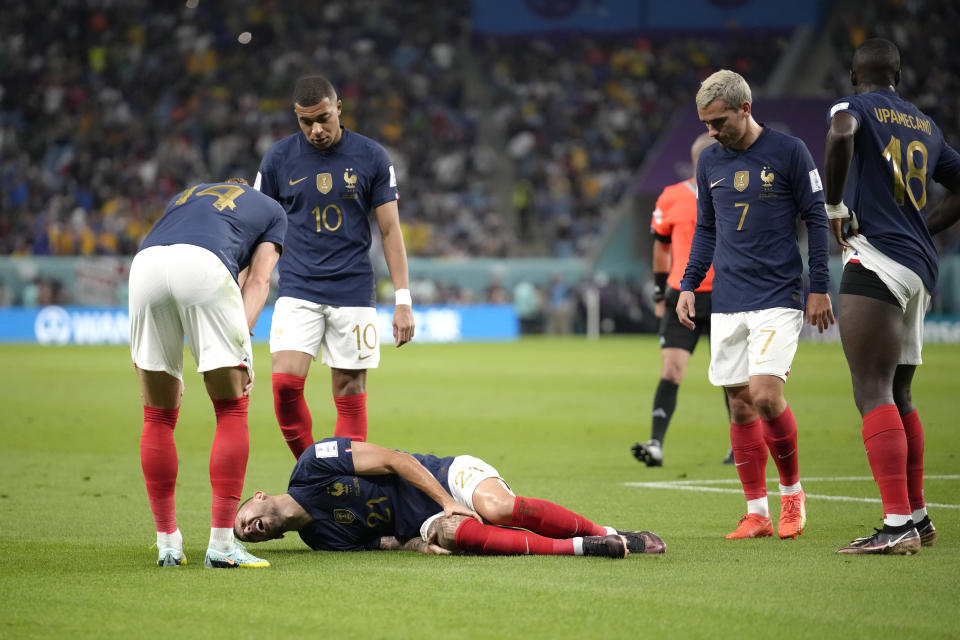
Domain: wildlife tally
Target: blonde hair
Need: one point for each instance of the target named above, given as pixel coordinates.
(727, 85)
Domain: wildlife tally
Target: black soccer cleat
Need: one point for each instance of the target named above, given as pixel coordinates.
(643, 542)
(613, 546)
(887, 541)
(928, 534)
(729, 457)
(649, 453)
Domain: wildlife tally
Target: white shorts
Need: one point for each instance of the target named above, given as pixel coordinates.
(179, 291)
(345, 336)
(753, 343)
(464, 476)
(905, 285)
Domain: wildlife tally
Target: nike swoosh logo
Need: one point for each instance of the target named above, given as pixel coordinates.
(364, 357)
(891, 543)
(740, 463)
(788, 455)
(293, 182)
(760, 362)
(716, 182)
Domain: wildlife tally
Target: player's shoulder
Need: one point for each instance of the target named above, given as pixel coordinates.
(283, 147)
(357, 142)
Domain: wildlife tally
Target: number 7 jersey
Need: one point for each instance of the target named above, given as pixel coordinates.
(897, 149)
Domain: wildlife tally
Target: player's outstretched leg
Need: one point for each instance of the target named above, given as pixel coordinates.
(780, 436)
(549, 519)
(750, 453)
(485, 539)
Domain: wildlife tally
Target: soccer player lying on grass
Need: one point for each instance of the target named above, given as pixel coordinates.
(354, 496)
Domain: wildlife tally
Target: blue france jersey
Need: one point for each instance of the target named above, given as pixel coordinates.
(351, 512)
(747, 224)
(228, 219)
(328, 197)
(897, 149)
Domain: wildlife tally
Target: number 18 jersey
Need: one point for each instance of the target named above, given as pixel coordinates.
(897, 149)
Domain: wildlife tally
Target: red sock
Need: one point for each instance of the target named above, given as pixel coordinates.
(780, 436)
(158, 458)
(914, 432)
(296, 424)
(351, 416)
(487, 539)
(228, 459)
(886, 445)
(551, 520)
(750, 455)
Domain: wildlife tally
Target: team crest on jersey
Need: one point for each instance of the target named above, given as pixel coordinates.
(741, 180)
(767, 178)
(350, 182)
(324, 183)
(343, 516)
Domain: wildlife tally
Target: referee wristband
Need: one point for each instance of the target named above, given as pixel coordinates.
(659, 286)
(838, 211)
(402, 296)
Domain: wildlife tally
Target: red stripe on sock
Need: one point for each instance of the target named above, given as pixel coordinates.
(293, 414)
(886, 445)
(485, 539)
(750, 456)
(551, 520)
(158, 459)
(913, 430)
(228, 459)
(351, 416)
(780, 436)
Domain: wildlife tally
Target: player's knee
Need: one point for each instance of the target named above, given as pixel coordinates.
(443, 531)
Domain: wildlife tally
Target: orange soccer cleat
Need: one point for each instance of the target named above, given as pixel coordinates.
(793, 515)
(752, 525)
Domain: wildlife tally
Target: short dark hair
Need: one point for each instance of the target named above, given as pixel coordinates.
(877, 58)
(310, 90)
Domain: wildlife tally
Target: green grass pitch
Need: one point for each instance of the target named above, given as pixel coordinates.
(557, 418)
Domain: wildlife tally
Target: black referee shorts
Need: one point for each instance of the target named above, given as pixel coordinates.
(674, 335)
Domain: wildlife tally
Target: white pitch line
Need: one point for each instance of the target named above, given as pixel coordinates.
(697, 485)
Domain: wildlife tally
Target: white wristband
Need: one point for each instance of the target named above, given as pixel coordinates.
(402, 296)
(838, 211)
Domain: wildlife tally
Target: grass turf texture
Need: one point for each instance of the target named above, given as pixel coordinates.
(556, 417)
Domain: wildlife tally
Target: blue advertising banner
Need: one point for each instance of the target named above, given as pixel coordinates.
(518, 17)
(55, 325)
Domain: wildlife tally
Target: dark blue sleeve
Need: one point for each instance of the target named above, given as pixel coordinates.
(704, 237)
(948, 166)
(277, 229)
(384, 187)
(268, 177)
(330, 456)
(808, 194)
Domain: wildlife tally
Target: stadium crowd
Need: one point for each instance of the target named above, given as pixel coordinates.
(101, 122)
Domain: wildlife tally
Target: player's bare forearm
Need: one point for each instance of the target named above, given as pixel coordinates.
(370, 459)
(839, 152)
(256, 283)
(944, 214)
(395, 254)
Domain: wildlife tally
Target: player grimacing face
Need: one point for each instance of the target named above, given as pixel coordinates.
(320, 123)
(726, 126)
(255, 522)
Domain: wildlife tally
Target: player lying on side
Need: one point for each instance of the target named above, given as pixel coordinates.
(348, 495)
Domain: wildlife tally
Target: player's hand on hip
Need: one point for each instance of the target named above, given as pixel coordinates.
(820, 311)
(660, 308)
(402, 324)
(836, 227)
(686, 310)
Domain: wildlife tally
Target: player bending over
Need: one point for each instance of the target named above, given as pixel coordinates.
(355, 496)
